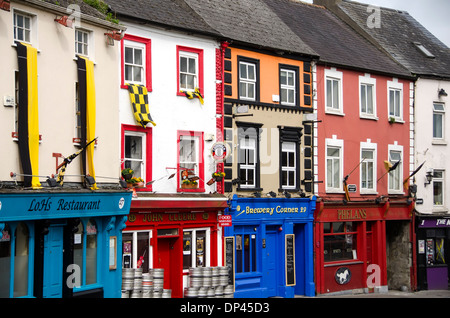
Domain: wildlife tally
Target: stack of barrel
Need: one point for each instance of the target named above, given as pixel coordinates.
(209, 282)
(136, 284)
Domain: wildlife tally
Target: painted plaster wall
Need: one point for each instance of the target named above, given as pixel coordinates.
(434, 152)
(353, 130)
(57, 75)
(170, 111)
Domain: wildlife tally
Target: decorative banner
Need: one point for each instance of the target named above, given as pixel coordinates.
(28, 124)
(139, 102)
(86, 84)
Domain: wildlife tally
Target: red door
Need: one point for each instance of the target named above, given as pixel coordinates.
(169, 257)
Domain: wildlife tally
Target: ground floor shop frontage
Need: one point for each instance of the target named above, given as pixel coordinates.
(269, 245)
(61, 244)
(367, 246)
(173, 234)
(433, 251)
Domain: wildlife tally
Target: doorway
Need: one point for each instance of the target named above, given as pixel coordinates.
(53, 262)
(169, 257)
(271, 250)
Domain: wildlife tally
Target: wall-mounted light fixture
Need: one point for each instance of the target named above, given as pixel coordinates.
(287, 194)
(442, 92)
(429, 177)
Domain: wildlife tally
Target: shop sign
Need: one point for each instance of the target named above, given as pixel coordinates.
(225, 220)
(440, 222)
(351, 214)
(55, 205)
(343, 275)
(158, 217)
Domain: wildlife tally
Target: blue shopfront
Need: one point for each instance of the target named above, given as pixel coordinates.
(62, 244)
(270, 245)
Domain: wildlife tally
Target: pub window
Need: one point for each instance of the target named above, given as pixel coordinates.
(246, 251)
(5, 262)
(136, 250)
(195, 248)
(340, 241)
(85, 251)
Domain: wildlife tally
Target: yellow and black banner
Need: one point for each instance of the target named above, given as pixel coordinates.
(139, 103)
(28, 123)
(86, 84)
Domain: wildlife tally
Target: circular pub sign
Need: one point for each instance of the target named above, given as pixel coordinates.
(343, 275)
(220, 151)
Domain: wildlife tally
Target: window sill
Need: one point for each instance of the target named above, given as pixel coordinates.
(340, 263)
(335, 191)
(329, 111)
(15, 45)
(191, 190)
(397, 121)
(249, 189)
(15, 137)
(438, 142)
(368, 117)
(123, 86)
(368, 192)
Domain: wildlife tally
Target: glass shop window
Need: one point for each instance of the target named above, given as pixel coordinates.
(246, 253)
(340, 241)
(136, 250)
(195, 248)
(85, 251)
(21, 258)
(5, 262)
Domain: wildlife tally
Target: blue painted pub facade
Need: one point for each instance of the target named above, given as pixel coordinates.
(62, 244)
(272, 241)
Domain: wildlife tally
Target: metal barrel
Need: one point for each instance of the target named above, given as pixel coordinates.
(218, 292)
(191, 292)
(228, 291)
(166, 293)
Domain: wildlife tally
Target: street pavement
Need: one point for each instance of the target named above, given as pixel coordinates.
(394, 294)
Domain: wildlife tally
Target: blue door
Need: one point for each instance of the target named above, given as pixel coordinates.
(271, 256)
(53, 262)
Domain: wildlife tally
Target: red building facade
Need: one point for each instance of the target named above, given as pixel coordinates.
(364, 224)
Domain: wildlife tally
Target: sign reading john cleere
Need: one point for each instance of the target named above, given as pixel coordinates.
(40, 205)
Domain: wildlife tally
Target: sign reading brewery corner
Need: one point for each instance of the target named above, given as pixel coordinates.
(271, 208)
(32, 206)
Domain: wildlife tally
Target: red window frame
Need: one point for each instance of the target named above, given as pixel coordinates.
(200, 67)
(201, 164)
(148, 57)
(148, 151)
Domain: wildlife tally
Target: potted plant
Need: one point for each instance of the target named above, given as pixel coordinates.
(135, 182)
(127, 174)
(188, 184)
(218, 176)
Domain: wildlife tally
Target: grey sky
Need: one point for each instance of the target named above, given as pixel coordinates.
(432, 14)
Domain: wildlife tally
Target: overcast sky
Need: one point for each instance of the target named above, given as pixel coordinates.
(432, 14)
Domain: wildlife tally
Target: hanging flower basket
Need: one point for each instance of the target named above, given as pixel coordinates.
(218, 176)
(127, 174)
(187, 184)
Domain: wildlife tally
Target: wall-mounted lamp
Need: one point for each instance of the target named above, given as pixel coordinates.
(272, 194)
(257, 194)
(287, 194)
(442, 92)
(429, 177)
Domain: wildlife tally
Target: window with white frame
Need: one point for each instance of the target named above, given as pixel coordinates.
(288, 165)
(438, 120)
(333, 91)
(188, 71)
(395, 176)
(190, 161)
(135, 153)
(438, 187)
(395, 100)
(134, 63)
(189, 154)
(22, 27)
(247, 80)
(136, 248)
(334, 165)
(288, 87)
(367, 96)
(247, 161)
(368, 170)
(82, 42)
(195, 248)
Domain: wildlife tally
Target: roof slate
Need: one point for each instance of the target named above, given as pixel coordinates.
(397, 34)
(334, 41)
(250, 22)
(171, 13)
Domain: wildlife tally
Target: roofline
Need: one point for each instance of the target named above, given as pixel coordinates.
(60, 10)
